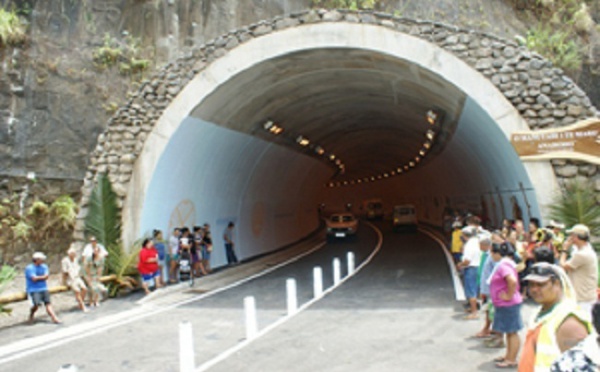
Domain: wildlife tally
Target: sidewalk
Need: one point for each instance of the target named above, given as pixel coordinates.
(14, 328)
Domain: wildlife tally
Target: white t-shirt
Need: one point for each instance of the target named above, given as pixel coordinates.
(173, 245)
(472, 252)
(88, 250)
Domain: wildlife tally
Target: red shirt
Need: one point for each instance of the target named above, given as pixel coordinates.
(145, 267)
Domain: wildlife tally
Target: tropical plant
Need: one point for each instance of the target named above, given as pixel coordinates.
(575, 204)
(103, 221)
(12, 30)
(7, 275)
(123, 265)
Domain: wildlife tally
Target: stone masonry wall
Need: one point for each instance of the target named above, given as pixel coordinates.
(543, 95)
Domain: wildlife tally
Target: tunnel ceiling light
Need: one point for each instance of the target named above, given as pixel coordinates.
(319, 150)
(338, 162)
(417, 159)
(430, 134)
(331, 157)
(406, 167)
(268, 124)
(411, 164)
(392, 173)
(422, 152)
(359, 180)
(427, 145)
(432, 117)
(372, 178)
(276, 129)
(386, 175)
(302, 141)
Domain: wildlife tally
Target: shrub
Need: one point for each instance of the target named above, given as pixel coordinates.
(12, 30)
(557, 46)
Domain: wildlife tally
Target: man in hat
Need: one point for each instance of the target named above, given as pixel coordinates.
(559, 238)
(88, 250)
(582, 267)
(558, 325)
(36, 276)
(71, 271)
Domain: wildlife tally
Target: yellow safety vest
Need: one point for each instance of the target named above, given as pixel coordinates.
(547, 350)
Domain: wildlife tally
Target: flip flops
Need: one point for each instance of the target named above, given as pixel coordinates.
(506, 364)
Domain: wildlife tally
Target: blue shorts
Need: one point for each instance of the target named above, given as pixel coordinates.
(470, 280)
(149, 277)
(507, 319)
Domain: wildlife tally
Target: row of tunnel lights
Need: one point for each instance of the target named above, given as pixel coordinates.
(304, 142)
(433, 117)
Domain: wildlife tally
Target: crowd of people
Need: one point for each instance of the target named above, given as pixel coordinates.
(503, 268)
(158, 265)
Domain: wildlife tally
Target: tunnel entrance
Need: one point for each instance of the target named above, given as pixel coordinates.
(309, 112)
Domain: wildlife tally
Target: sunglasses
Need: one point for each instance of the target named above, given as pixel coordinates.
(543, 270)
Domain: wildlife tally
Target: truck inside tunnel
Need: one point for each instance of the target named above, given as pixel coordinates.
(334, 114)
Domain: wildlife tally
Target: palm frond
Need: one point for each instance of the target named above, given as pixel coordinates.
(577, 204)
(103, 219)
(123, 265)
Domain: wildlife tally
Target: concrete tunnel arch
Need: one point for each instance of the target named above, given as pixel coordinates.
(224, 171)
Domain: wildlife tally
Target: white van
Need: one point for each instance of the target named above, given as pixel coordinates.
(404, 216)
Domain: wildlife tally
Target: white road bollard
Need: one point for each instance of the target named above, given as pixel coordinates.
(186, 347)
(68, 368)
(251, 323)
(318, 282)
(292, 297)
(351, 266)
(337, 271)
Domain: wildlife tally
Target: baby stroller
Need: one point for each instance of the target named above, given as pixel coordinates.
(185, 267)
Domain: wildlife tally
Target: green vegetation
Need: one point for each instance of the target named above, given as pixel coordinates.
(104, 222)
(577, 204)
(7, 275)
(562, 31)
(124, 54)
(556, 45)
(345, 4)
(12, 29)
(42, 226)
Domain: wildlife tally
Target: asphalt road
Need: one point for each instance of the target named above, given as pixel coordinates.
(397, 314)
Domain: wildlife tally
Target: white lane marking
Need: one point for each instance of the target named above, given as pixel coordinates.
(459, 291)
(23, 348)
(227, 353)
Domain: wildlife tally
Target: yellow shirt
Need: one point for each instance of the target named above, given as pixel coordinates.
(457, 244)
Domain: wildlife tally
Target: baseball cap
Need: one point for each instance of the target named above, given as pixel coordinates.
(39, 256)
(579, 229)
(556, 224)
(92, 238)
(541, 272)
(469, 230)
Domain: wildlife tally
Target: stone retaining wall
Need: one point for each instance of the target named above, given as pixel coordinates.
(542, 94)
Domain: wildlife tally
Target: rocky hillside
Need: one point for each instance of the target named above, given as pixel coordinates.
(82, 57)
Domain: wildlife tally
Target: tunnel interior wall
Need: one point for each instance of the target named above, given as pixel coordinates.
(210, 174)
(478, 171)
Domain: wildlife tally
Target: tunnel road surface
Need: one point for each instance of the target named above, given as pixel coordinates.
(397, 314)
